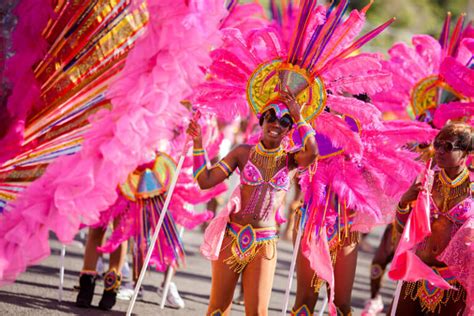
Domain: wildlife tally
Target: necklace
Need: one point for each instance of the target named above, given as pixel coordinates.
(268, 160)
(452, 189)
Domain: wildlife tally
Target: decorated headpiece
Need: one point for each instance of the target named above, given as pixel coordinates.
(309, 55)
(422, 73)
(150, 179)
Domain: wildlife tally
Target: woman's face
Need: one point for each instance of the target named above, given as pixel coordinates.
(448, 154)
(274, 129)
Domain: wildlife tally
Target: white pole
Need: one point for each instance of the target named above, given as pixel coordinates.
(169, 275)
(157, 231)
(325, 302)
(292, 270)
(397, 297)
(61, 273)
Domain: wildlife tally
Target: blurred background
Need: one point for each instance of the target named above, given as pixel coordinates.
(413, 17)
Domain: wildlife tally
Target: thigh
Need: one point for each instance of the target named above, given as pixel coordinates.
(384, 253)
(223, 281)
(344, 275)
(257, 280)
(406, 305)
(455, 305)
(306, 293)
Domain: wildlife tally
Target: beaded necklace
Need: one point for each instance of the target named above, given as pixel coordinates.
(268, 160)
(452, 189)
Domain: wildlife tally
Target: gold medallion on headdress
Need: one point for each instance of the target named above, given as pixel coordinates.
(425, 94)
(270, 78)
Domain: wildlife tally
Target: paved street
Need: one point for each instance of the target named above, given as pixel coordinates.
(36, 291)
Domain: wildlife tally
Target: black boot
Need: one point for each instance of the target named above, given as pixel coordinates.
(112, 282)
(86, 291)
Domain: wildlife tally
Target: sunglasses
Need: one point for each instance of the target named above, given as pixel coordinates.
(446, 146)
(285, 121)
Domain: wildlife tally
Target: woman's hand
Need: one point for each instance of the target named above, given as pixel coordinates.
(194, 130)
(293, 106)
(410, 195)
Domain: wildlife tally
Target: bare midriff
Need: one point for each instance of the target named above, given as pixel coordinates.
(442, 230)
(433, 246)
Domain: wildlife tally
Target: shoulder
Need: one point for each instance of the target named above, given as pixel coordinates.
(242, 149)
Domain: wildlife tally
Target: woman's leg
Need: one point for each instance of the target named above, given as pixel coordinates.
(406, 305)
(117, 258)
(306, 294)
(88, 273)
(95, 238)
(456, 304)
(383, 256)
(344, 275)
(223, 282)
(257, 281)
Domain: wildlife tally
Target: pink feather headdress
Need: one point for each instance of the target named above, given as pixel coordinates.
(430, 75)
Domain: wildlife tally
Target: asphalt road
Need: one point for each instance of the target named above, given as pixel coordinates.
(36, 291)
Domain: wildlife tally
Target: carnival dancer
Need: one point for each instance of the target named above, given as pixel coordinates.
(446, 249)
(313, 47)
(242, 239)
(432, 93)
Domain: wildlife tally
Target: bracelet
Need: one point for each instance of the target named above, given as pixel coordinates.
(403, 210)
(222, 165)
(305, 131)
(198, 151)
(199, 162)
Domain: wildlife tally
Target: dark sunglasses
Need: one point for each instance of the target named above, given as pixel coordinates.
(285, 121)
(446, 146)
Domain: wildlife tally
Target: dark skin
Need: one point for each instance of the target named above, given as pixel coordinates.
(272, 137)
(453, 163)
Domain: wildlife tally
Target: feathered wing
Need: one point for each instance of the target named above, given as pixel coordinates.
(118, 140)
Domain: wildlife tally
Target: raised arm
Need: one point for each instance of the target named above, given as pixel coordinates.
(309, 147)
(209, 177)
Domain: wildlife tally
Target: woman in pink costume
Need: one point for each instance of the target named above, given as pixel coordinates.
(242, 240)
(447, 250)
(438, 91)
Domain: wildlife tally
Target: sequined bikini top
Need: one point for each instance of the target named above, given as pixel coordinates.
(458, 214)
(251, 175)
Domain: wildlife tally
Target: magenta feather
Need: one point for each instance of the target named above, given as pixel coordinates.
(458, 76)
(452, 110)
(338, 132)
(365, 113)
